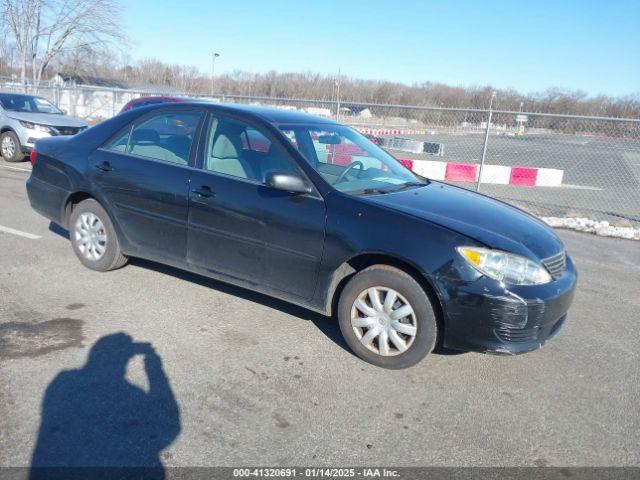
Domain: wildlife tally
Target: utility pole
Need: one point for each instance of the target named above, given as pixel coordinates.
(213, 70)
(486, 140)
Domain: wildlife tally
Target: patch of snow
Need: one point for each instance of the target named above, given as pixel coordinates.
(601, 228)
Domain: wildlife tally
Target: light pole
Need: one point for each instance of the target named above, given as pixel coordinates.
(486, 140)
(213, 70)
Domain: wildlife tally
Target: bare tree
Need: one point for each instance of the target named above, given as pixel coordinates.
(46, 29)
(21, 15)
(6, 53)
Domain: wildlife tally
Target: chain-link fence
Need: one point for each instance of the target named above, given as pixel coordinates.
(551, 165)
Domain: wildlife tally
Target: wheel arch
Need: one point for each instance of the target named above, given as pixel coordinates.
(7, 129)
(74, 199)
(359, 262)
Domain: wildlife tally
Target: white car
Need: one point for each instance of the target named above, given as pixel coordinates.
(26, 118)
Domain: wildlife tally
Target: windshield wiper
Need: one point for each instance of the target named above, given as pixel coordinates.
(408, 185)
(370, 191)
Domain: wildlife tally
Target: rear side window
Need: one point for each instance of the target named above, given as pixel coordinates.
(166, 136)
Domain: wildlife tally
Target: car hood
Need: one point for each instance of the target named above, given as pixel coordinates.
(489, 221)
(52, 119)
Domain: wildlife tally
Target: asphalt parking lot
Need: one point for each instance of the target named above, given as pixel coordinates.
(260, 382)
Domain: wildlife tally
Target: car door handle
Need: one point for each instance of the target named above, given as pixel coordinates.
(204, 191)
(104, 166)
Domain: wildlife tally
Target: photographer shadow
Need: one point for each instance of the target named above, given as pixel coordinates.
(96, 424)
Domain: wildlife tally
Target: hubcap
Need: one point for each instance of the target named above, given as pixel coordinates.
(8, 147)
(90, 236)
(384, 321)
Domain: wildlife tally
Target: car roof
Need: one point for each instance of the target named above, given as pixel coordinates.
(269, 114)
(156, 98)
(18, 94)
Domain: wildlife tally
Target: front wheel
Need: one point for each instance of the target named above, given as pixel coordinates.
(387, 318)
(93, 237)
(10, 147)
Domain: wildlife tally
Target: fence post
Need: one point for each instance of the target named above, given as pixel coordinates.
(74, 102)
(113, 103)
(486, 141)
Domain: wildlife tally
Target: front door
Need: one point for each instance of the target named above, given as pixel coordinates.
(243, 229)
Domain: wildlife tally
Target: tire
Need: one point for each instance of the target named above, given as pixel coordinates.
(93, 237)
(10, 147)
(384, 279)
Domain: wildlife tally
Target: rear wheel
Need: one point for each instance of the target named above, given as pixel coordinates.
(93, 237)
(387, 318)
(10, 147)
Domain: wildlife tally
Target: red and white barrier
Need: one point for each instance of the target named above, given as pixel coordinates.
(379, 132)
(496, 174)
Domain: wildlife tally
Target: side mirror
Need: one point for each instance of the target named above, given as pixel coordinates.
(287, 182)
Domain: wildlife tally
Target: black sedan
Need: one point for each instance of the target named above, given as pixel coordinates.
(312, 212)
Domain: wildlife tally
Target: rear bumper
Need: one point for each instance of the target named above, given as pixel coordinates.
(47, 199)
(487, 316)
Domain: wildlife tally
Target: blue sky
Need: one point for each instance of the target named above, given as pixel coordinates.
(591, 45)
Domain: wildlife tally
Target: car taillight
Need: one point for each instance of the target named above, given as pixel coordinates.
(32, 157)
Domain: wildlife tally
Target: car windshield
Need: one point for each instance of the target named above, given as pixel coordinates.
(349, 161)
(27, 103)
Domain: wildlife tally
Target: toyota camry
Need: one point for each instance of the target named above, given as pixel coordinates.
(312, 212)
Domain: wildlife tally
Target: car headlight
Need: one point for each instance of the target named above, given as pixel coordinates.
(505, 267)
(40, 128)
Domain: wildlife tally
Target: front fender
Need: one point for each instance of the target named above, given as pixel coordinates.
(355, 228)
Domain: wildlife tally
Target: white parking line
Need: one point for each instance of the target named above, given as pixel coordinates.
(12, 231)
(16, 168)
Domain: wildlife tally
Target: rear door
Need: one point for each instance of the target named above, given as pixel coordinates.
(143, 175)
(243, 229)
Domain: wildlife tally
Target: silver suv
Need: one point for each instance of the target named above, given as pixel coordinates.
(25, 118)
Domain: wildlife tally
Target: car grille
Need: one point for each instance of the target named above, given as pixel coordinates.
(68, 130)
(556, 264)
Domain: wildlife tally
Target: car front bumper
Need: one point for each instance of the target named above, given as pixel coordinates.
(28, 138)
(487, 316)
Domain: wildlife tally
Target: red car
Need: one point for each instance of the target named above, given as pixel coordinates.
(144, 101)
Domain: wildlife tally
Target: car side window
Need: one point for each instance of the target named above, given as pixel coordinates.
(238, 149)
(119, 144)
(166, 136)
